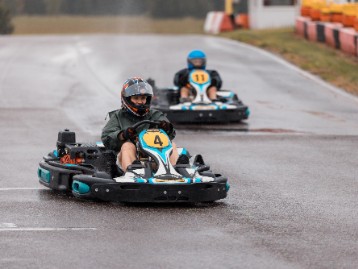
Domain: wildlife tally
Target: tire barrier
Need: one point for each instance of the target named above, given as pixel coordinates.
(312, 30)
(331, 23)
(301, 26)
(333, 34)
(348, 40)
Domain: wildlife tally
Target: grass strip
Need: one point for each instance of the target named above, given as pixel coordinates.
(328, 63)
(105, 25)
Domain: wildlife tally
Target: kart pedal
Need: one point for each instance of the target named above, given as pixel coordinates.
(203, 168)
(135, 165)
(198, 160)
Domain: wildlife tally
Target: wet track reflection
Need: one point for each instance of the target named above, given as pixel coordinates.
(292, 165)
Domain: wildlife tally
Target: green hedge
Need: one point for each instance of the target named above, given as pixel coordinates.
(5, 22)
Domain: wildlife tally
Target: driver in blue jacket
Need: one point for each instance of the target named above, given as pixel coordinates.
(118, 134)
(196, 60)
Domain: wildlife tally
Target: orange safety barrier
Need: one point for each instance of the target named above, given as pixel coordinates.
(315, 14)
(348, 20)
(325, 17)
(356, 24)
(350, 12)
(336, 12)
(348, 40)
(305, 11)
(337, 17)
(226, 23)
(242, 21)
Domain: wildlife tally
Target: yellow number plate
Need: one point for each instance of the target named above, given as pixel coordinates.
(156, 139)
(200, 77)
(180, 180)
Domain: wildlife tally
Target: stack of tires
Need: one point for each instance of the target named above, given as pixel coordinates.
(330, 23)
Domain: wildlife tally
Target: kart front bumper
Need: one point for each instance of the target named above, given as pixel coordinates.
(166, 193)
(105, 189)
(151, 193)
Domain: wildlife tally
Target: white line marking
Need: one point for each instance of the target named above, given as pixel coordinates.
(7, 225)
(20, 189)
(44, 229)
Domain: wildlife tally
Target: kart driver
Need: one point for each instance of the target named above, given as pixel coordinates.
(118, 134)
(196, 60)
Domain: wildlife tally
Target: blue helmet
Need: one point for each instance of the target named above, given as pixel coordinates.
(196, 59)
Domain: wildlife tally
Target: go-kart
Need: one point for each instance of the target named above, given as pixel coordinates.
(90, 171)
(226, 108)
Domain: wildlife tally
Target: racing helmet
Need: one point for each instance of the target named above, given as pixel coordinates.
(136, 87)
(196, 59)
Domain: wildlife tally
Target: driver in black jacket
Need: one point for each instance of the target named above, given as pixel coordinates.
(196, 60)
(118, 134)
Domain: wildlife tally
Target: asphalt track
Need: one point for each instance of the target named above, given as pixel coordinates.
(292, 166)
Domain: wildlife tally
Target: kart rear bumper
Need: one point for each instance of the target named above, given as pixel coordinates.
(205, 116)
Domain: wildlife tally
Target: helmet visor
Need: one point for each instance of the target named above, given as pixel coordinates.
(140, 88)
(197, 62)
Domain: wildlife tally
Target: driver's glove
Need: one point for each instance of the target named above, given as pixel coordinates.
(214, 82)
(129, 133)
(166, 126)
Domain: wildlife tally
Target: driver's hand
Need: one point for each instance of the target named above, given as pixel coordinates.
(166, 126)
(129, 134)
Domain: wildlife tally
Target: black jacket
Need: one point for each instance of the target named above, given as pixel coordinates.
(181, 78)
(119, 120)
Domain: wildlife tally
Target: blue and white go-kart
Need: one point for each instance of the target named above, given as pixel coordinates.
(226, 108)
(90, 171)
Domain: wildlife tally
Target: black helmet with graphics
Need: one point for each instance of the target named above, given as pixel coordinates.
(135, 87)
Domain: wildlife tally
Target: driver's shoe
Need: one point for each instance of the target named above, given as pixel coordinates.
(183, 159)
(128, 177)
(184, 100)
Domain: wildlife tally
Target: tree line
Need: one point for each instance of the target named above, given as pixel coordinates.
(5, 21)
(153, 8)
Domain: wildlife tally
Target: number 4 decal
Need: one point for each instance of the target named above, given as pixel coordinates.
(157, 140)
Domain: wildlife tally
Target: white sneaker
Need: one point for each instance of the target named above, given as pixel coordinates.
(128, 177)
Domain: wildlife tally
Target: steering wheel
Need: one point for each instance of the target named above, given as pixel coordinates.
(151, 122)
(138, 124)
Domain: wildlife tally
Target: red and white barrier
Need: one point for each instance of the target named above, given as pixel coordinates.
(217, 22)
(333, 34)
(348, 40)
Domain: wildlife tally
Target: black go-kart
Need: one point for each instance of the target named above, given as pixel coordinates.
(90, 171)
(225, 109)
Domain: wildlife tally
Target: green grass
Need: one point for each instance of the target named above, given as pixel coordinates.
(328, 63)
(104, 24)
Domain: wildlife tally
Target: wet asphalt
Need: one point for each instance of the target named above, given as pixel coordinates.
(292, 166)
